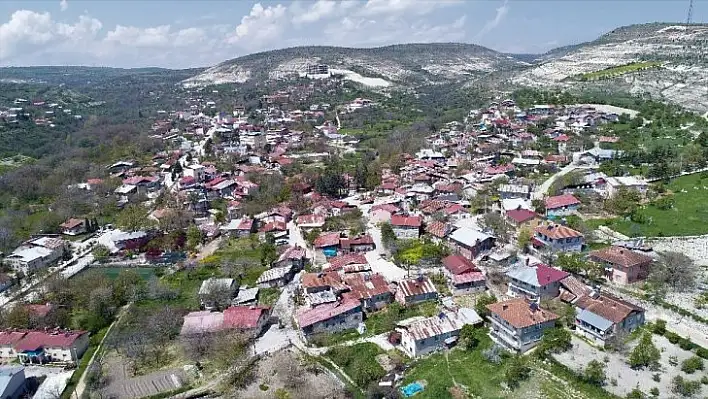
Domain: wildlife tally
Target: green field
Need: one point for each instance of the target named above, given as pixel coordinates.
(619, 70)
(689, 216)
(482, 379)
(112, 272)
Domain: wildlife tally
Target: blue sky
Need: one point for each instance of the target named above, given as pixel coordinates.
(179, 34)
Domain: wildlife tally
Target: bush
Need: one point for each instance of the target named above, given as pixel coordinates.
(686, 344)
(702, 352)
(636, 394)
(595, 373)
(704, 380)
(659, 327)
(683, 387)
(654, 392)
(690, 365)
(672, 337)
(645, 353)
(359, 362)
(554, 340)
(516, 371)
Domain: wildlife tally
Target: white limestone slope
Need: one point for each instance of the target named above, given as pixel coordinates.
(682, 79)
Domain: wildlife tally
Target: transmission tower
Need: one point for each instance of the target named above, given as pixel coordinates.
(689, 18)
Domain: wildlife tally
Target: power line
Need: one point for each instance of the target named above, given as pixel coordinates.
(689, 18)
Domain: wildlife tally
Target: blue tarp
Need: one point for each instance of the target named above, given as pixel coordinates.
(412, 389)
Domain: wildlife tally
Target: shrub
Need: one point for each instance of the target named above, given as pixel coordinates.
(516, 371)
(654, 392)
(704, 380)
(672, 337)
(659, 327)
(645, 353)
(636, 394)
(686, 344)
(690, 365)
(656, 377)
(595, 373)
(683, 387)
(263, 387)
(702, 352)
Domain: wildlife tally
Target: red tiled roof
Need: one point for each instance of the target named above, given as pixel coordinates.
(454, 208)
(557, 231)
(310, 219)
(437, 229)
(562, 137)
(608, 307)
(619, 256)
(243, 317)
(34, 340)
(521, 215)
(366, 287)
(71, 223)
(10, 338)
(339, 262)
(327, 240)
(274, 226)
(407, 221)
(520, 314)
(458, 264)
(328, 279)
(390, 208)
(560, 201)
(308, 317)
(469, 277)
(547, 275)
(498, 170)
(360, 240)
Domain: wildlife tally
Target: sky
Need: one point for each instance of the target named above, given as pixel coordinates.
(184, 33)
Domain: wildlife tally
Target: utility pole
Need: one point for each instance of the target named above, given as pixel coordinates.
(689, 18)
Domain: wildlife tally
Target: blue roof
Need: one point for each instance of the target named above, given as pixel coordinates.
(594, 320)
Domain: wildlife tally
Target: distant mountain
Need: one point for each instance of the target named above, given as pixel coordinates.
(667, 61)
(403, 64)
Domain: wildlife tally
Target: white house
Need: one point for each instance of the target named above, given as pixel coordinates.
(421, 337)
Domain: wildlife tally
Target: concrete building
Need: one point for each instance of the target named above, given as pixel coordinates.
(406, 227)
(12, 382)
(601, 316)
(330, 317)
(558, 238)
(518, 325)
(622, 266)
(420, 337)
(416, 290)
(535, 282)
(39, 347)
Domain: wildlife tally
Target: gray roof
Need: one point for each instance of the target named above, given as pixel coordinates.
(524, 273)
(594, 320)
(215, 283)
(6, 374)
(246, 295)
(468, 236)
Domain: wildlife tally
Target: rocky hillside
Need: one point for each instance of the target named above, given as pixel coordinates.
(402, 65)
(666, 61)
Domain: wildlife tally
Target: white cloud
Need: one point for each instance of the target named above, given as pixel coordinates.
(139, 37)
(29, 31)
(398, 7)
(493, 23)
(260, 27)
(317, 11)
(63, 5)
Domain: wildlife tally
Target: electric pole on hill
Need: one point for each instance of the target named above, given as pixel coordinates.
(690, 12)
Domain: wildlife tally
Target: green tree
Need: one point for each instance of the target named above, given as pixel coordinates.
(268, 251)
(194, 237)
(388, 237)
(554, 340)
(645, 354)
(685, 388)
(524, 239)
(517, 370)
(101, 253)
(595, 373)
(690, 365)
(471, 336)
(481, 305)
(636, 394)
(133, 217)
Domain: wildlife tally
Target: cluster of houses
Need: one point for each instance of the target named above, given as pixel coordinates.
(40, 112)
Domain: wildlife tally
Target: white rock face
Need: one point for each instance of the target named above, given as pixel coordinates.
(683, 50)
(219, 75)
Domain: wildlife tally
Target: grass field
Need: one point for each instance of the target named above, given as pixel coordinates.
(112, 272)
(386, 319)
(483, 379)
(619, 70)
(689, 216)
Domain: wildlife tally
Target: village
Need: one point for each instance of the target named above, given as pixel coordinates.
(489, 226)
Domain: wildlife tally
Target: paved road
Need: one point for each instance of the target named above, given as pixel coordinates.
(542, 189)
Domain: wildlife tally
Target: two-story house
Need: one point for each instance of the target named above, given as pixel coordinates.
(470, 242)
(558, 238)
(416, 290)
(523, 218)
(518, 324)
(406, 227)
(534, 282)
(371, 290)
(600, 316)
(561, 205)
(330, 317)
(622, 266)
(421, 337)
(462, 275)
